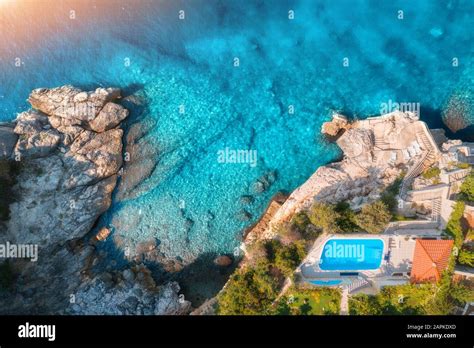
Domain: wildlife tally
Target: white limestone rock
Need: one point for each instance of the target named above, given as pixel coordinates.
(70, 102)
(109, 117)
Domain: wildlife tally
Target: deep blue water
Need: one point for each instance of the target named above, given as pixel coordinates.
(283, 62)
(351, 254)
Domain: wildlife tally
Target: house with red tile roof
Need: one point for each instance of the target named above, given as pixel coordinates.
(430, 259)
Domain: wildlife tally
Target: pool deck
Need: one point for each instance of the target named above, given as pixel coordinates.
(400, 247)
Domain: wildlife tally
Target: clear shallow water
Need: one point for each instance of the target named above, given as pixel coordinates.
(282, 62)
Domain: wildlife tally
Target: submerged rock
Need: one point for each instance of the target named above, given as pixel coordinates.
(264, 182)
(223, 261)
(458, 113)
(246, 199)
(244, 215)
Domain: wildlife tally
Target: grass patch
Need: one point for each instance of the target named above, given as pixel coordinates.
(321, 301)
(463, 165)
(431, 173)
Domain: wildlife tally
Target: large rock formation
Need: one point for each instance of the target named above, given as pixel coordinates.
(376, 151)
(69, 170)
(70, 151)
(132, 292)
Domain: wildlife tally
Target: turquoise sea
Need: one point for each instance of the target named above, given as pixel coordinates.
(344, 55)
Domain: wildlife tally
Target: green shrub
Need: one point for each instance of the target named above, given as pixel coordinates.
(346, 219)
(461, 294)
(462, 165)
(324, 217)
(250, 291)
(300, 221)
(454, 226)
(431, 173)
(410, 299)
(470, 235)
(466, 257)
(364, 305)
(389, 200)
(389, 195)
(467, 188)
(287, 258)
(373, 217)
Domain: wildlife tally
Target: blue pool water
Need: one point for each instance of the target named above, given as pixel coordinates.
(351, 254)
(325, 282)
(190, 203)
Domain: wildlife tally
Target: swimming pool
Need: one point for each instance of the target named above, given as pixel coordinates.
(325, 282)
(351, 254)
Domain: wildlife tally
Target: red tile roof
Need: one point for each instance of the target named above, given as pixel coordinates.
(430, 259)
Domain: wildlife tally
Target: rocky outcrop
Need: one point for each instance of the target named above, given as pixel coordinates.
(70, 150)
(376, 151)
(69, 171)
(131, 292)
(338, 124)
(260, 230)
(8, 140)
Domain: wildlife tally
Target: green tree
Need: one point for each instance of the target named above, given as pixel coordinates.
(373, 217)
(364, 305)
(390, 193)
(287, 258)
(467, 188)
(250, 291)
(466, 257)
(300, 221)
(324, 216)
(461, 294)
(454, 226)
(431, 173)
(346, 220)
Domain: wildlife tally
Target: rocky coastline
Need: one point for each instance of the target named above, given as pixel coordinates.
(69, 150)
(393, 158)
